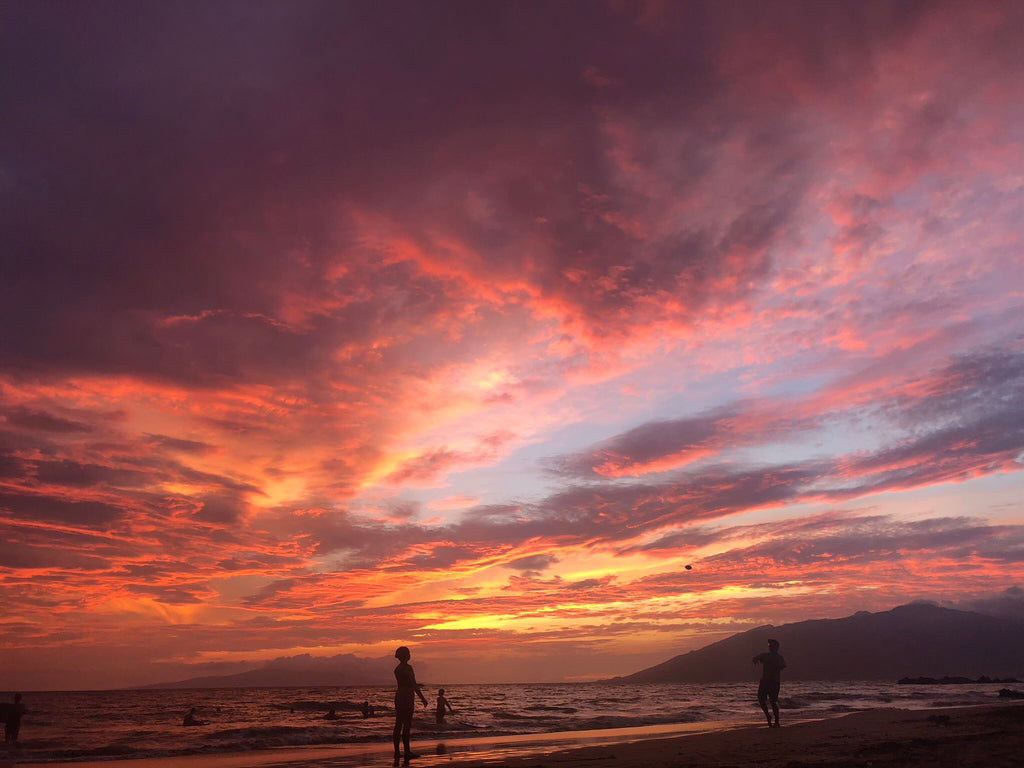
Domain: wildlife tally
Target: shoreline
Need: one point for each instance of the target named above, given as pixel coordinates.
(990, 735)
(431, 750)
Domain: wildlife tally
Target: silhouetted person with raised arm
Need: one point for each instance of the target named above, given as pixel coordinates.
(772, 665)
(405, 702)
(12, 720)
(442, 703)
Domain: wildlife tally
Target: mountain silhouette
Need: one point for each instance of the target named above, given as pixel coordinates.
(917, 640)
(299, 671)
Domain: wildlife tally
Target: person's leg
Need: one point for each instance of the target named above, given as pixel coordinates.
(762, 699)
(773, 695)
(406, 730)
(397, 735)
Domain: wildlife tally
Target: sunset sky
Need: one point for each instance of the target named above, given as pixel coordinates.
(331, 327)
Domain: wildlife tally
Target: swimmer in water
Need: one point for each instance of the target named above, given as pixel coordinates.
(442, 703)
(191, 719)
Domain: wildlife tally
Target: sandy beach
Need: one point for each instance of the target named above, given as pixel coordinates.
(989, 736)
(986, 736)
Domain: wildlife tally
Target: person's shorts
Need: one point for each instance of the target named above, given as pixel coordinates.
(405, 703)
(769, 689)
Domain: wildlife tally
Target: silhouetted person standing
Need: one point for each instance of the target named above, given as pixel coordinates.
(405, 702)
(771, 680)
(12, 723)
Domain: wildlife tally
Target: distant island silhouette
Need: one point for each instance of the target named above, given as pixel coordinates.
(984, 679)
(303, 670)
(916, 640)
(912, 641)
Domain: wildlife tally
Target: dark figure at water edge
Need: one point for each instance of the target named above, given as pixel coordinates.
(367, 710)
(191, 719)
(12, 721)
(405, 703)
(332, 715)
(771, 680)
(442, 702)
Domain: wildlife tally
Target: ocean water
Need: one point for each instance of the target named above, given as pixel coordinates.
(99, 725)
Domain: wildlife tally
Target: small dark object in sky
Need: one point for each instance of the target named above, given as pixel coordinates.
(689, 567)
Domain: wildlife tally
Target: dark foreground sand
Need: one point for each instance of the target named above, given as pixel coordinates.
(971, 737)
(992, 737)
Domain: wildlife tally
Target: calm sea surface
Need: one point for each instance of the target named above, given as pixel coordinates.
(98, 725)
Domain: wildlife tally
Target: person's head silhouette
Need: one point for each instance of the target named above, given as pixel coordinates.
(402, 654)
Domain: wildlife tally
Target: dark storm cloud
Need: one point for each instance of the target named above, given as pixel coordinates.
(42, 421)
(278, 589)
(221, 508)
(649, 442)
(534, 563)
(440, 557)
(427, 467)
(257, 562)
(171, 595)
(988, 445)
(169, 161)
(1008, 604)
(973, 386)
(848, 540)
(177, 444)
(21, 552)
(73, 473)
(11, 466)
(839, 548)
(86, 513)
(360, 542)
(955, 416)
(52, 484)
(672, 443)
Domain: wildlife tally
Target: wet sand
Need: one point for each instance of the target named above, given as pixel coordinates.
(981, 737)
(985, 737)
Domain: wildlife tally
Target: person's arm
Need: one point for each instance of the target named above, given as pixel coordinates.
(416, 687)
